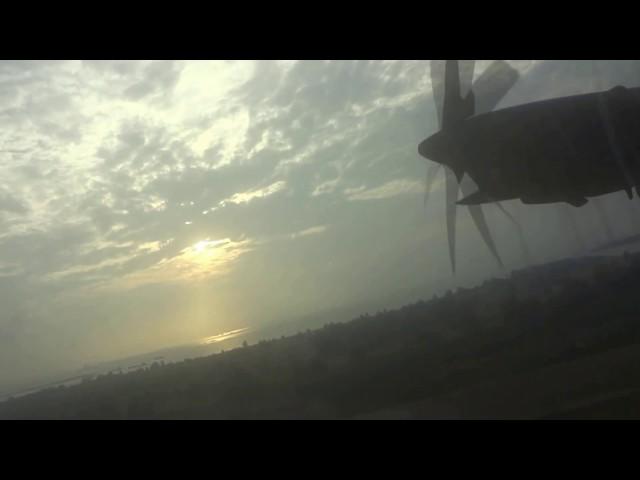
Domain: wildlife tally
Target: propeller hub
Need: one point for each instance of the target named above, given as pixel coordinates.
(440, 148)
(431, 148)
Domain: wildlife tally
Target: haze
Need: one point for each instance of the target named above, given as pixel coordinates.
(145, 204)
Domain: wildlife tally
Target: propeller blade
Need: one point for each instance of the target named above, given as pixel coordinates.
(476, 198)
(481, 222)
(452, 99)
(451, 108)
(432, 172)
(466, 69)
(492, 86)
(437, 86)
(523, 242)
(452, 187)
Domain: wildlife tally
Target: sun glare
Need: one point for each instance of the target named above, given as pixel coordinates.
(200, 246)
(205, 245)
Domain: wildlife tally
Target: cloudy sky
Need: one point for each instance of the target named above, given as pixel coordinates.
(145, 204)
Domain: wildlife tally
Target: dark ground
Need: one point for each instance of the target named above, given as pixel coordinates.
(555, 341)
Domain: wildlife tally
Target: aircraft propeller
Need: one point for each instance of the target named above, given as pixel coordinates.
(457, 97)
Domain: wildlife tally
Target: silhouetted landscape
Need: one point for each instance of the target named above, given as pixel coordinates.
(560, 340)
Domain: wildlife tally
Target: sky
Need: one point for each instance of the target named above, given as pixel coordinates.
(145, 204)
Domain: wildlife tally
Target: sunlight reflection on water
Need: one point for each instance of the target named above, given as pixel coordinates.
(223, 336)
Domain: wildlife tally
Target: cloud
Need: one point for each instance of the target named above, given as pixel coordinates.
(388, 190)
(8, 203)
(157, 78)
(246, 197)
(204, 259)
(310, 231)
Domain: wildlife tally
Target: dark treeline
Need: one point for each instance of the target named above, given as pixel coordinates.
(547, 341)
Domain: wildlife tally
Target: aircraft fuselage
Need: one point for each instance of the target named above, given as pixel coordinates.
(560, 150)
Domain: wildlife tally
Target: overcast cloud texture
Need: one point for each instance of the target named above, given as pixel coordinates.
(145, 204)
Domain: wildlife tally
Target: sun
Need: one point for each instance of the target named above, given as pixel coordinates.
(200, 246)
(204, 249)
